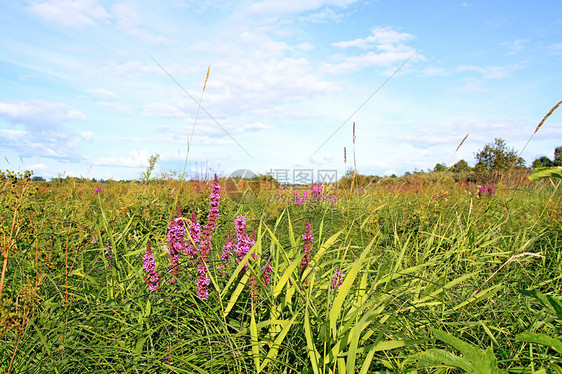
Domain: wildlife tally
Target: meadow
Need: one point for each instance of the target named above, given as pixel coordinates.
(423, 273)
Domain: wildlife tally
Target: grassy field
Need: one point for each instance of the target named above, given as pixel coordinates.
(413, 274)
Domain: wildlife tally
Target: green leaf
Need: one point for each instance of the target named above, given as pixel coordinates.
(254, 338)
(539, 338)
(547, 172)
(346, 286)
(272, 354)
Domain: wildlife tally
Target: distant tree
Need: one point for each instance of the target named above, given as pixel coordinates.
(558, 156)
(38, 179)
(497, 156)
(440, 167)
(542, 162)
(460, 166)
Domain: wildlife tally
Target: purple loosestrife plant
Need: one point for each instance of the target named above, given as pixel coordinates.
(176, 244)
(214, 202)
(99, 190)
(267, 270)
(109, 255)
(227, 252)
(243, 242)
(337, 280)
(307, 245)
(205, 243)
(203, 282)
(153, 280)
(195, 234)
(484, 191)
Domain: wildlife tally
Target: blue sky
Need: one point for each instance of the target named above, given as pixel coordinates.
(82, 96)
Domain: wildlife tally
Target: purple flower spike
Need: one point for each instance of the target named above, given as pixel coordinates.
(195, 233)
(227, 252)
(98, 190)
(267, 270)
(203, 282)
(153, 281)
(214, 202)
(109, 254)
(243, 242)
(176, 244)
(337, 280)
(307, 245)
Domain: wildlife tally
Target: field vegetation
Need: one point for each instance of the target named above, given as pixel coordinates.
(443, 271)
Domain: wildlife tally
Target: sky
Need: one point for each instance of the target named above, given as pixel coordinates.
(94, 88)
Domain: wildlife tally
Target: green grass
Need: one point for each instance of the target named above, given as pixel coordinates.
(432, 280)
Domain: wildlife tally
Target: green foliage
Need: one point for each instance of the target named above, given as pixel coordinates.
(415, 252)
(542, 162)
(497, 156)
(146, 175)
(473, 361)
(543, 173)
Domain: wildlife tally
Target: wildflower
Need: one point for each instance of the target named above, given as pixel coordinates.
(205, 241)
(243, 242)
(109, 254)
(98, 190)
(337, 280)
(203, 282)
(227, 252)
(214, 202)
(267, 270)
(485, 190)
(195, 234)
(149, 265)
(307, 245)
(176, 244)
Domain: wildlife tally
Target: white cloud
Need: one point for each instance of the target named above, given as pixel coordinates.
(128, 18)
(490, 72)
(385, 47)
(39, 115)
(163, 111)
(275, 8)
(137, 158)
(70, 13)
(326, 15)
(382, 38)
(102, 93)
(45, 133)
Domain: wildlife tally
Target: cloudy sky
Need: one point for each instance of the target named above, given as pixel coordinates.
(93, 88)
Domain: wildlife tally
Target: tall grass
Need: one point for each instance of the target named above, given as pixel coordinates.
(419, 260)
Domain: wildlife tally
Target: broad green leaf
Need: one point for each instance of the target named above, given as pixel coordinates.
(272, 354)
(236, 294)
(346, 286)
(542, 339)
(547, 172)
(254, 339)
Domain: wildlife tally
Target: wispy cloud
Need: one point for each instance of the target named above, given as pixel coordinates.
(70, 13)
(384, 47)
(274, 8)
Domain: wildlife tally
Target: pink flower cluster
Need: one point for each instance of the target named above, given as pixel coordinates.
(307, 245)
(195, 235)
(99, 190)
(153, 280)
(485, 191)
(315, 195)
(337, 280)
(176, 244)
(109, 255)
(242, 246)
(198, 245)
